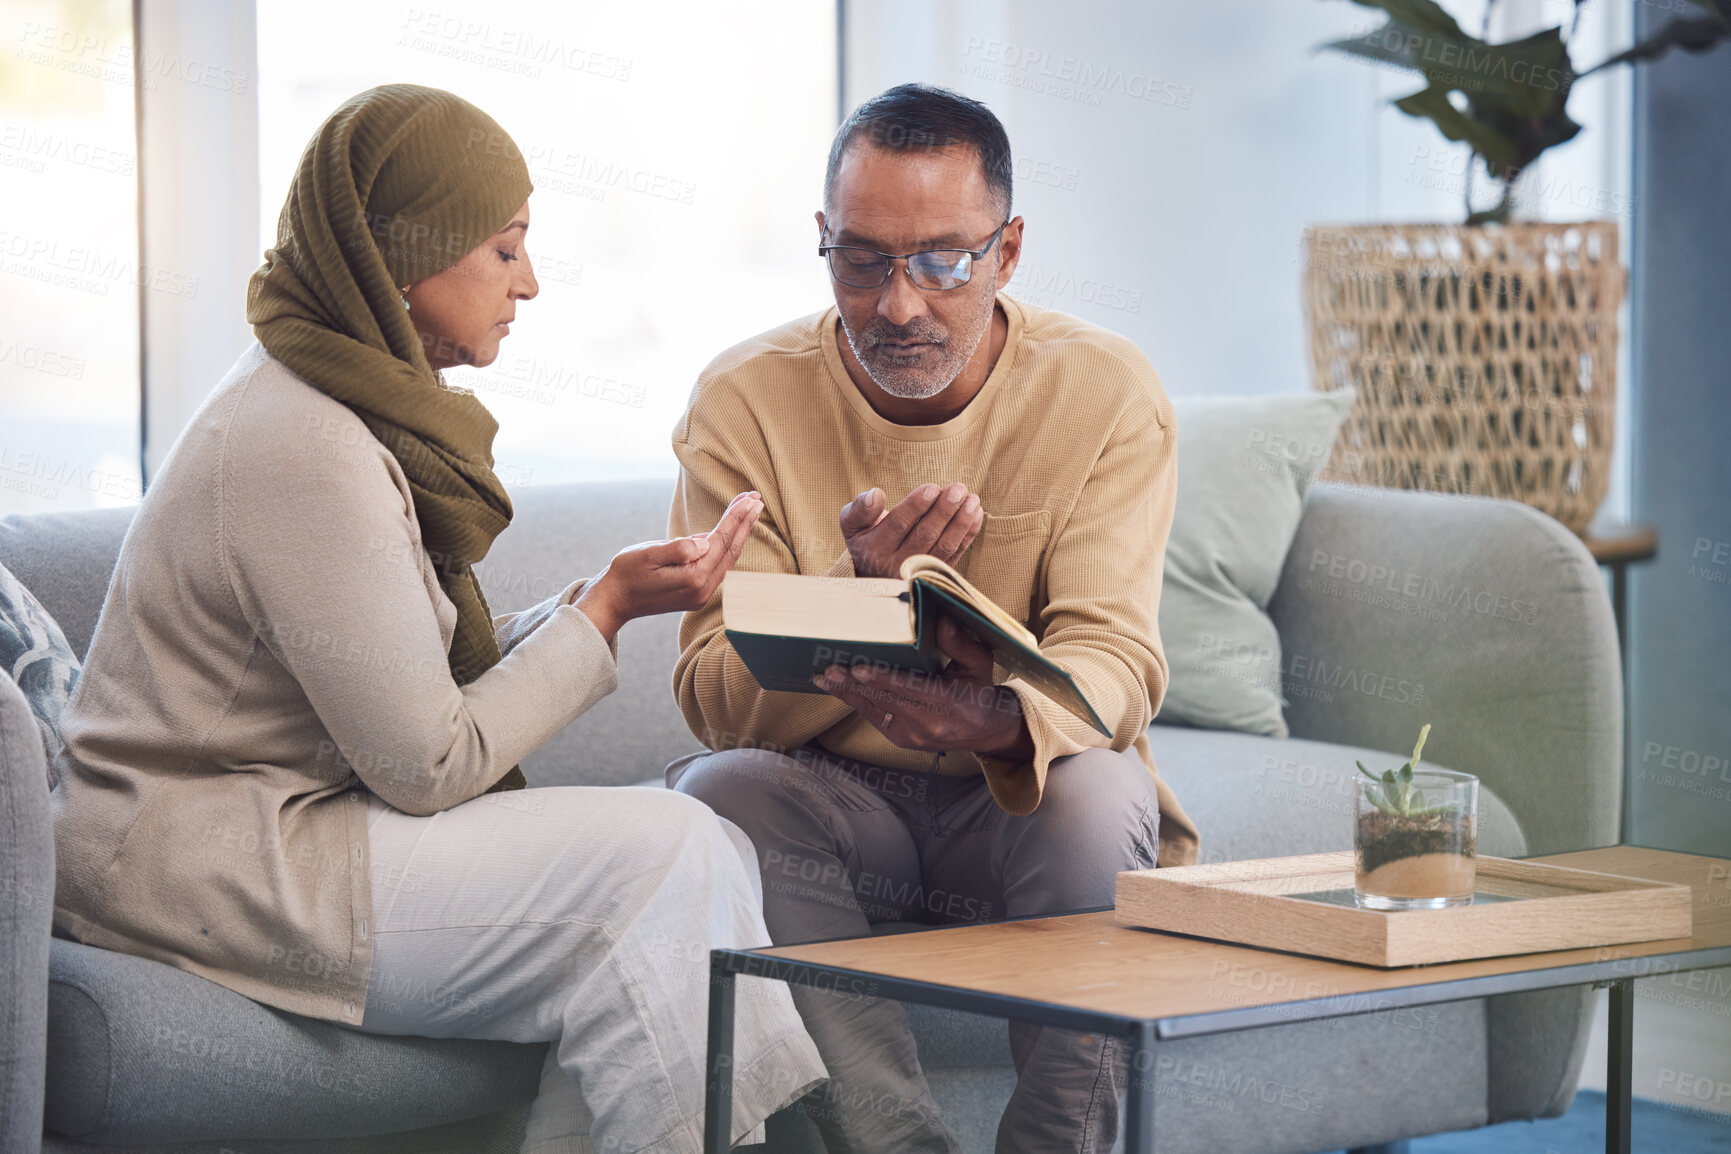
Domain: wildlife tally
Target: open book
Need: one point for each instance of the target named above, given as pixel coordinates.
(787, 628)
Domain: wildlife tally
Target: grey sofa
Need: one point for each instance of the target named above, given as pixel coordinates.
(108, 1051)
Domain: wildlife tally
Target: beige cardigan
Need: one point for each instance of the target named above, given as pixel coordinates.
(272, 646)
(1070, 445)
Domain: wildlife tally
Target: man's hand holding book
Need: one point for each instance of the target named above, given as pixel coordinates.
(959, 708)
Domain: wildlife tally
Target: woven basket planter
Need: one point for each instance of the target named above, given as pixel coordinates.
(1484, 357)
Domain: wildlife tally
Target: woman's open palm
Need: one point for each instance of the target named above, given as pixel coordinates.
(674, 576)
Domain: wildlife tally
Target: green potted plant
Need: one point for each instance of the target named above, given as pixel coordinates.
(1483, 353)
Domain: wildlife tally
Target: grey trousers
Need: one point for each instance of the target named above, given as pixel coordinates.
(844, 845)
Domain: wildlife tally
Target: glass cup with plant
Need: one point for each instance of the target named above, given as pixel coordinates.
(1416, 840)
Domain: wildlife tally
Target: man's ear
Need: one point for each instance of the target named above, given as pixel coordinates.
(820, 225)
(1012, 251)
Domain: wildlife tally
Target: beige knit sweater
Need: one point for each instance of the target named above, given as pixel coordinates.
(273, 643)
(1069, 445)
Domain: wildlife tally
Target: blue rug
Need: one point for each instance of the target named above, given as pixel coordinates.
(1657, 1127)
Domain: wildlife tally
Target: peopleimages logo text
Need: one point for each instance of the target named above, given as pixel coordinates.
(1088, 76)
(1464, 64)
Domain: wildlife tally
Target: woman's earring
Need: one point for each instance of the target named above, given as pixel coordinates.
(405, 292)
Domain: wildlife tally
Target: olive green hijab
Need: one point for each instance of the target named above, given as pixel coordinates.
(398, 183)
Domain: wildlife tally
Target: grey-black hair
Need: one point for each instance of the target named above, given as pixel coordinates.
(916, 117)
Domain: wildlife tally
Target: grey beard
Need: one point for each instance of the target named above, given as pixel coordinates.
(919, 385)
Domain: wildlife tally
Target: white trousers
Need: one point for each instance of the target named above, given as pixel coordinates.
(584, 917)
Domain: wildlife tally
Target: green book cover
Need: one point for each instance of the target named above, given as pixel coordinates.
(787, 664)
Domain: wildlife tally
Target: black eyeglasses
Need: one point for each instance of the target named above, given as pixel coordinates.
(937, 269)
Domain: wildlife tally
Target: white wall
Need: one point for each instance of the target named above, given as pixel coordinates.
(200, 193)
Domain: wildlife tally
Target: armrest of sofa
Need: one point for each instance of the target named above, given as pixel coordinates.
(26, 913)
(1485, 618)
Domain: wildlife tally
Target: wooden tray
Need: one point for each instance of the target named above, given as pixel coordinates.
(1304, 905)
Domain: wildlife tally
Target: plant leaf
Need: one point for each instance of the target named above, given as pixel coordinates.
(1527, 77)
(1531, 133)
(1418, 750)
(1404, 46)
(1433, 104)
(1524, 77)
(1366, 772)
(1514, 94)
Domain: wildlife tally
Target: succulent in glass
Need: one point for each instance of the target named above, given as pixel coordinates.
(1505, 101)
(1415, 841)
(1396, 795)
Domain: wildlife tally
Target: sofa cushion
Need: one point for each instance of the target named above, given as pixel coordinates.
(1258, 797)
(1244, 467)
(494, 1134)
(500, 1133)
(142, 1052)
(66, 560)
(36, 655)
(1486, 617)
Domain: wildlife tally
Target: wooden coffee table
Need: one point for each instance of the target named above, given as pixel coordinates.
(1087, 972)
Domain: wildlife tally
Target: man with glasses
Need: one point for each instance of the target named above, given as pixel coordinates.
(928, 412)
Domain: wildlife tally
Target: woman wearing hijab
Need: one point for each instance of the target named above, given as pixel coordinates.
(289, 758)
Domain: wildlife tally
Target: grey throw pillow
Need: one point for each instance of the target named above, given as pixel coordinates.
(34, 653)
(1244, 467)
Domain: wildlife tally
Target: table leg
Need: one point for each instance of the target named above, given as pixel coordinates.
(1139, 1102)
(718, 1091)
(1619, 1067)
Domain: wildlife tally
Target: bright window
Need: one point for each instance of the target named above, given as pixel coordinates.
(69, 272)
(677, 151)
